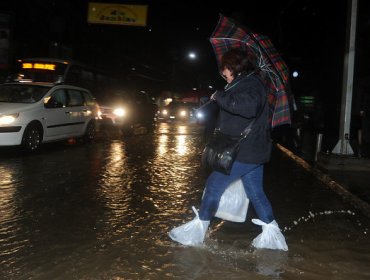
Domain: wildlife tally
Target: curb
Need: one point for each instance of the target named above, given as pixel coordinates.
(340, 189)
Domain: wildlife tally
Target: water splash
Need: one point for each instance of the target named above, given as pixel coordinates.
(311, 215)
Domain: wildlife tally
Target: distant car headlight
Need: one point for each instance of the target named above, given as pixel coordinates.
(183, 113)
(164, 112)
(200, 115)
(119, 112)
(8, 119)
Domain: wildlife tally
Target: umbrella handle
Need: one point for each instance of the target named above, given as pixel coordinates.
(205, 104)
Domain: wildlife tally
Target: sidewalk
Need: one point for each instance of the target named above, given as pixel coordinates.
(351, 185)
(346, 175)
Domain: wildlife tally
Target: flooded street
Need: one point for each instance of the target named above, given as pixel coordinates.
(102, 211)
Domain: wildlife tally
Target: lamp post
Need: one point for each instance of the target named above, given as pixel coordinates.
(343, 146)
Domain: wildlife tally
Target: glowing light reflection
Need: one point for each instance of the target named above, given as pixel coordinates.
(6, 194)
(183, 129)
(162, 144)
(181, 148)
(9, 218)
(113, 191)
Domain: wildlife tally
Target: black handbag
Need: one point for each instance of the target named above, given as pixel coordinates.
(221, 150)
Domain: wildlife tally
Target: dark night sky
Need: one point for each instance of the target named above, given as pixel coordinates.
(309, 34)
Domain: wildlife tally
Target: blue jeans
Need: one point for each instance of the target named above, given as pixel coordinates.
(252, 177)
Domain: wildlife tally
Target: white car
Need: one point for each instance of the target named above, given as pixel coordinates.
(36, 113)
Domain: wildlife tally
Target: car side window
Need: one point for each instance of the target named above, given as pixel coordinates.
(58, 99)
(75, 98)
(89, 100)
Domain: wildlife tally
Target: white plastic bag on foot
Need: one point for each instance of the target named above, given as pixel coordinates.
(191, 233)
(270, 238)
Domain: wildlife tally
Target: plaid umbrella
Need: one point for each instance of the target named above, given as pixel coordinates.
(229, 35)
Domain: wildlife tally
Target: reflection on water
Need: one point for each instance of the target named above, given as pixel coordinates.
(9, 214)
(181, 146)
(162, 144)
(103, 211)
(112, 191)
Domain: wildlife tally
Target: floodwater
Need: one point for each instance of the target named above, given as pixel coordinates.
(102, 211)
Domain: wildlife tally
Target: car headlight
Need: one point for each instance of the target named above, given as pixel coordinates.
(164, 112)
(8, 119)
(119, 112)
(200, 115)
(183, 113)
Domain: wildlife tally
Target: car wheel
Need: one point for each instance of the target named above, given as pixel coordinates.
(32, 138)
(90, 132)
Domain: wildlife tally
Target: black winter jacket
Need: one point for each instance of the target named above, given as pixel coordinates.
(240, 103)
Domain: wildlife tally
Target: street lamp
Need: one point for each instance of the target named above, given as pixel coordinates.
(192, 55)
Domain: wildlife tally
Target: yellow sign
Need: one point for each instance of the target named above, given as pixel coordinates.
(43, 66)
(117, 14)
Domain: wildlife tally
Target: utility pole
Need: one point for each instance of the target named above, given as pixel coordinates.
(343, 146)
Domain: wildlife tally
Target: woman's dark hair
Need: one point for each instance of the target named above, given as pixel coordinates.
(237, 61)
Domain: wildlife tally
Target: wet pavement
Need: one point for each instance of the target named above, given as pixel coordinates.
(102, 211)
(352, 172)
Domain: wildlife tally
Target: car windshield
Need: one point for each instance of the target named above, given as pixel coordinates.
(180, 105)
(22, 93)
(114, 98)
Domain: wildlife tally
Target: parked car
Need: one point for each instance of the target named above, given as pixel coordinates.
(178, 111)
(128, 110)
(36, 113)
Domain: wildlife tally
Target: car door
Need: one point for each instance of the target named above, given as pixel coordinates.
(77, 111)
(56, 117)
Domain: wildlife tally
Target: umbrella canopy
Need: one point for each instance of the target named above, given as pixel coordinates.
(229, 35)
